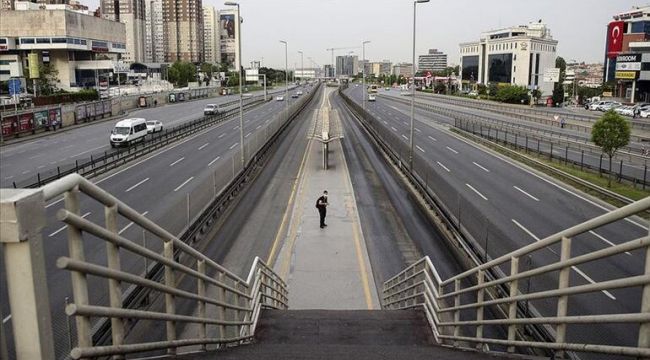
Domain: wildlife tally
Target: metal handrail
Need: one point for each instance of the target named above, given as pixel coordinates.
(420, 286)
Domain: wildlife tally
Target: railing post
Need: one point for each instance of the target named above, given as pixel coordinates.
(563, 301)
(644, 328)
(479, 310)
(114, 287)
(170, 301)
(23, 219)
(79, 280)
(200, 267)
(221, 312)
(456, 312)
(512, 308)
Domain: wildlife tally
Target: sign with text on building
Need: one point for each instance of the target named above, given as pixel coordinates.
(626, 75)
(628, 62)
(552, 75)
(32, 58)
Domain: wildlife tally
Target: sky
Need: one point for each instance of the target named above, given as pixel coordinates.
(315, 25)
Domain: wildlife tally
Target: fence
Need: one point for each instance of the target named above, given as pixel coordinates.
(443, 301)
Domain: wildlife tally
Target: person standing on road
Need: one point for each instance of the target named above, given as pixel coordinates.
(562, 123)
(321, 205)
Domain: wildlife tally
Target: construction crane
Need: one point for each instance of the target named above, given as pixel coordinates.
(338, 48)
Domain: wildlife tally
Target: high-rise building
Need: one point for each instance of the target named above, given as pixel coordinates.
(385, 67)
(154, 44)
(329, 71)
(347, 65)
(132, 14)
(228, 38)
(433, 61)
(518, 55)
(403, 69)
(183, 30)
(210, 35)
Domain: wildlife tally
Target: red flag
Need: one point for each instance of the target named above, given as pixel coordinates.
(615, 38)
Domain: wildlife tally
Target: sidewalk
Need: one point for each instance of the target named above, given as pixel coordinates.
(326, 268)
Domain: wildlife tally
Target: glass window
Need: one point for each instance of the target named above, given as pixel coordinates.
(43, 40)
(83, 42)
(27, 40)
(500, 68)
(5, 72)
(469, 65)
(59, 40)
(3, 41)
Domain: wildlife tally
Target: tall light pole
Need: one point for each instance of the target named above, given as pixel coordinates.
(413, 88)
(363, 72)
(241, 96)
(302, 65)
(286, 76)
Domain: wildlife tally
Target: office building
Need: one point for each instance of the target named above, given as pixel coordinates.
(183, 30)
(403, 69)
(210, 35)
(347, 65)
(434, 61)
(80, 47)
(518, 55)
(328, 71)
(132, 14)
(228, 38)
(154, 40)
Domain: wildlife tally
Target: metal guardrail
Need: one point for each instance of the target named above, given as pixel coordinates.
(420, 286)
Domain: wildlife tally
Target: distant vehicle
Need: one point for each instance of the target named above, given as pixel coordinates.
(211, 109)
(624, 110)
(372, 97)
(154, 126)
(405, 93)
(128, 131)
(279, 98)
(473, 93)
(372, 89)
(299, 92)
(645, 113)
(294, 95)
(247, 95)
(596, 104)
(608, 105)
(387, 88)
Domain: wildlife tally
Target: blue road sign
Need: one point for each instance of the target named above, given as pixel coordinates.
(14, 87)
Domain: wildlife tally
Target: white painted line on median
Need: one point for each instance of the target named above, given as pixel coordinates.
(203, 146)
(525, 193)
(233, 145)
(452, 150)
(213, 161)
(393, 129)
(247, 135)
(222, 135)
(236, 127)
(177, 161)
(432, 138)
(385, 122)
(129, 224)
(476, 191)
(184, 183)
(418, 130)
(606, 241)
(65, 226)
(480, 167)
(419, 148)
(4, 321)
(580, 272)
(25, 172)
(258, 126)
(442, 166)
(138, 184)
(405, 123)
(405, 137)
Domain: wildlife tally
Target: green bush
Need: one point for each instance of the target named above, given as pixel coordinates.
(512, 94)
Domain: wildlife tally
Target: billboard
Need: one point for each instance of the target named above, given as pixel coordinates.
(626, 75)
(615, 38)
(228, 38)
(252, 75)
(33, 66)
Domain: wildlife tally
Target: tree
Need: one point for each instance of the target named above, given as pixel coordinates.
(558, 89)
(493, 88)
(439, 88)
(482, 89)
(181, 72)
(536, 94)
(47, 81)
(611, 132)
(208, 69)
(512, 94)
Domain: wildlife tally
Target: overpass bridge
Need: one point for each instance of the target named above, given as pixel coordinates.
(315, 293)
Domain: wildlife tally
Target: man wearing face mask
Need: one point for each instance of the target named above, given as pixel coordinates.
(321, 205)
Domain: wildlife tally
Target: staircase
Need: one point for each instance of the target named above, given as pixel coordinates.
(352, 334)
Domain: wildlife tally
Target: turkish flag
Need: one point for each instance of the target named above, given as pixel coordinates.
(615, 38)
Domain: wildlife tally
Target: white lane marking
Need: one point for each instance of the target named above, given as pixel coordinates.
(40, 167)
(177, 161)
(222, 135)
(442, 166)
(213, 161)
(405, 123)
(480, 167)
(203, 146)
(236, 127)
(233, 145)
(4, 321)
(258, 126)
(525, 193)
(432, 138)
(65, 226)
(138, 184)
(89, 150)
(404, 136)
(393, 129)
(452, 150)
(9, 177)
(25, 172)
(607, 293)
(129, 224)
(476, 191)
(36, 156)
(56, 202)
(606, 241)
(419, 148)
(247, 135)
(385, 122)
(418, 130)
(184, 183)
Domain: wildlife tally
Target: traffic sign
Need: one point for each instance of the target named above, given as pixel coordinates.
(552, 75)
(14, 87)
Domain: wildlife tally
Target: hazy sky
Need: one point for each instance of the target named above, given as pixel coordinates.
(315, 25)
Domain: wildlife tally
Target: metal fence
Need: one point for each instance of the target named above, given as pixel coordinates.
(420, 286)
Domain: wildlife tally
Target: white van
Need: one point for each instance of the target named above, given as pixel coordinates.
(128, 131)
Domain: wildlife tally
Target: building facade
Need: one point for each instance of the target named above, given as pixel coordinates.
(434, 61)
(518, 55)
(183, 30)
(347, 65)
(154, 44)
(80, 47)
(132, 14)
(403, 69)
(211, 35)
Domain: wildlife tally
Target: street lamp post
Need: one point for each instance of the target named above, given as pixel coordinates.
(413, 88)
(286, 77)
(302, 66)
(241, 97)
(363, 73)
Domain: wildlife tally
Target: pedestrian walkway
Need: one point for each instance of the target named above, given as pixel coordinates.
(326, 268)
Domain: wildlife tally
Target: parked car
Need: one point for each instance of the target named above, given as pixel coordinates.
(299, 92)
(211, 109)
(128, 131)
(294, 95)
(473, 93)
(154, 126)
(609, 105)
(624, 110)
(645, 113)
(387, 88)
(594, 105)
(279, 98)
